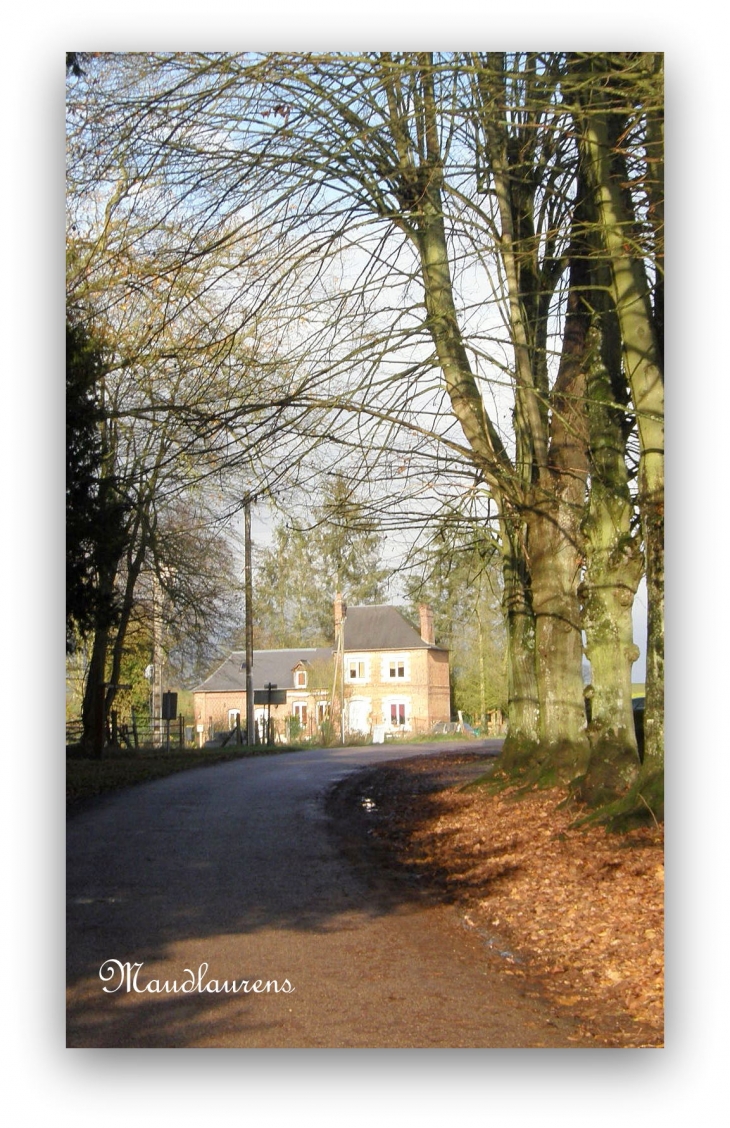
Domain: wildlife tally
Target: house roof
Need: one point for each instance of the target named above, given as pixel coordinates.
(366, 628)
(381, 628)
(275, 666)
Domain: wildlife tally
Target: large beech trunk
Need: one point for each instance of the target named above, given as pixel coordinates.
(614, 565)
(546, 708)
(652, 496)
(608, 598)
(642, 359)
(556, 556)
(555, 570)
(545, 488)
(466, 401)
(523, 706)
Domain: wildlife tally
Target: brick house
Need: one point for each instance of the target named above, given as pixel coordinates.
(303, 680)
(394, 676)
(395, 680)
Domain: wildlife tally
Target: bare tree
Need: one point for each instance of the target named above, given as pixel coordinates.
(398, 243)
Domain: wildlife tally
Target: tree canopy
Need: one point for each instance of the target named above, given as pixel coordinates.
(316, 554)
(440, 274)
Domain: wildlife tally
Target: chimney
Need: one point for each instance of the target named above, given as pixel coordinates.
(340, 614)
(426, 624)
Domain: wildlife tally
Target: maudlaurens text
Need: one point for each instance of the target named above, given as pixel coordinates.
(128, 977)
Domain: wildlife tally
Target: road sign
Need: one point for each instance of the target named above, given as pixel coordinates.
(169, 706)
(269, 696)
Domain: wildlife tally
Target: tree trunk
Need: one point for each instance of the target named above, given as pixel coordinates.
(546, 710)
(555, 570)
(614, 565)
(466, 401)
(523, 709)
(135, 560)
(556, 552)
(613, 561)
(93, 711)
(490, 455)
(551, 458)
(642, 363)
(546, 487)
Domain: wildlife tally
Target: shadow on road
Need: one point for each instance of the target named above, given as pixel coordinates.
(178, 871)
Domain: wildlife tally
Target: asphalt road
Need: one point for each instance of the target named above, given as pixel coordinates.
(229, 875)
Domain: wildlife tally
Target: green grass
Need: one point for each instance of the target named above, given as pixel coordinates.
(87, 779)
(433, 738)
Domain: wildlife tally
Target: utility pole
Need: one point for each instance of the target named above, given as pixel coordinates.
(156, 710)
(249, 620)
(340, 617)
(342, 676)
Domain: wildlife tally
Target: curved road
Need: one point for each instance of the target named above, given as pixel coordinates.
(233, 867)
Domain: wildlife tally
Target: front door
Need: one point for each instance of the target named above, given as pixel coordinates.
(358, 716)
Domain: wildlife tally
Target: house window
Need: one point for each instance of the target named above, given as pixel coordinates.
(234, 718)
(397, 668)
(356, 669)
(300, 679)
(299, 710)
(322, 712)
(397, 713)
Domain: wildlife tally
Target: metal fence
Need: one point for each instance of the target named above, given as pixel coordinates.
(135, 736)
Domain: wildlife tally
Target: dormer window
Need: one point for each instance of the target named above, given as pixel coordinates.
(300, 679)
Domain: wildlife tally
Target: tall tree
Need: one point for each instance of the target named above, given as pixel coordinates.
(619, 113)
(317, 552)
(182, 361)
(442, 182)
(93, 516)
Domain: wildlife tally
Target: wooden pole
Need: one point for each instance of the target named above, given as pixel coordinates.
(250, 738)
(342, 676)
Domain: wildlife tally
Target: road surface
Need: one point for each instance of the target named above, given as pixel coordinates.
(213, 909)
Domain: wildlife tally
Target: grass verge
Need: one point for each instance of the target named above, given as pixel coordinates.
(87, 779)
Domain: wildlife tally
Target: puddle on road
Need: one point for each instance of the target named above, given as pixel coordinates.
(494, 943)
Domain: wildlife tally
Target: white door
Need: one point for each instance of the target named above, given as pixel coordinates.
(358, 716)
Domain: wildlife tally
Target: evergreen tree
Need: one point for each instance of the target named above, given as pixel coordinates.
(337, 549)
(92, 508)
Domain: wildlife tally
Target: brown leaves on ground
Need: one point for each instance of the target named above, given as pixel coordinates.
(576, 912)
